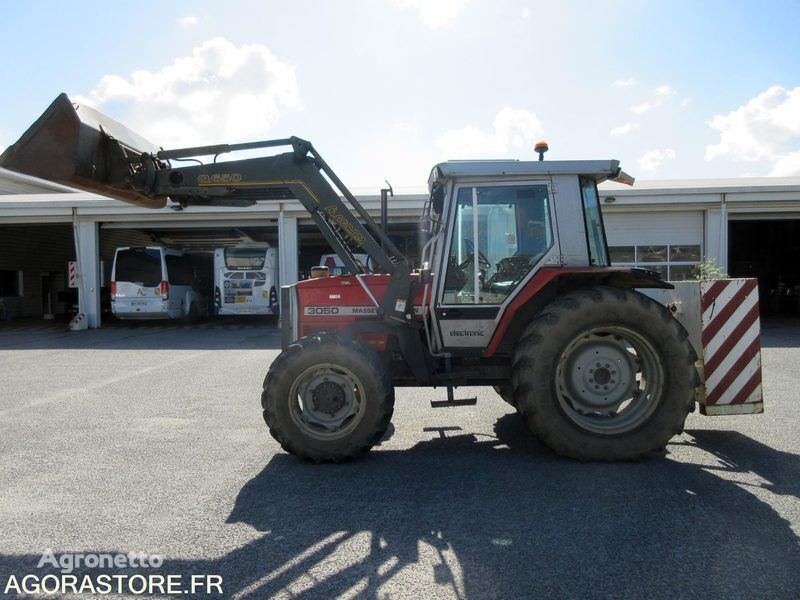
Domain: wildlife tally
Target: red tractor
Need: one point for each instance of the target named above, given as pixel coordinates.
(514, 290)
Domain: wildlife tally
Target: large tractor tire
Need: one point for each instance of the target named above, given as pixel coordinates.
(506, 392)
(327, 398)
(604, 374)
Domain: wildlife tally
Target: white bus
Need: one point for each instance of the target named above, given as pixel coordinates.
(152, 282)
(246, 281)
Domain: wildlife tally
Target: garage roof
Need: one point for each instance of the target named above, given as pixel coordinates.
(703, 186)
(16, 183)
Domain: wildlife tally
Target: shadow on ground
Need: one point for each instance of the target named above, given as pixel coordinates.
(218, 333)
(502, 517)
(780, 332)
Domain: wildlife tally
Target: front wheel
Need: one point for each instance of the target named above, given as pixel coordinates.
(327, 398)
(604, 374)
(506, 392)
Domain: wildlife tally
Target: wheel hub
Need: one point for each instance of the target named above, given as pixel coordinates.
(327, 401)
(600, 375)
(328, 398)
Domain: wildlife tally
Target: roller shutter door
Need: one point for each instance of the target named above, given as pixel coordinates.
(666, 241)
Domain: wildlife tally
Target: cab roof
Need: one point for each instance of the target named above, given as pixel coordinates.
(600, 170)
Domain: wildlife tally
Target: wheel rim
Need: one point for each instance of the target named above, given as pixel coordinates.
(609, 380)
(327, 401)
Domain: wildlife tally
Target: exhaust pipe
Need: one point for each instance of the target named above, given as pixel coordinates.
(79, 147)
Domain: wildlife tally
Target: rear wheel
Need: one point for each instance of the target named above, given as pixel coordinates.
(193, 316)
(327, 398)
(604, 374)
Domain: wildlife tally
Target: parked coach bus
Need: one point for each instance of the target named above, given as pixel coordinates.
(246, 281)
(153, 282)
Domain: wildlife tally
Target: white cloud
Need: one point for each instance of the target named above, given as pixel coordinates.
(652, 159)
(786, 165)
(624, 128)
(513, 129)
(434, 13)
(766, 127)
(629, 82)
(660, 95)
(187, 22)
(526, 12)
(219, 93)
(685, 102)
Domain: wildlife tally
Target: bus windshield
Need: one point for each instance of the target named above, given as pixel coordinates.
(245, 258)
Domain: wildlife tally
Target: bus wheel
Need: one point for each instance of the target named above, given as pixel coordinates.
(327, 398)
(194, 315)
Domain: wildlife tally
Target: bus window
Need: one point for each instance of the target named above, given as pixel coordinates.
(245, 258)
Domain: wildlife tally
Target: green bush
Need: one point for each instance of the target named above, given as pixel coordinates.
(708, 270)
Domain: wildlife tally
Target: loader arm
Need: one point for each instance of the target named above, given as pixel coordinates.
(79, 147)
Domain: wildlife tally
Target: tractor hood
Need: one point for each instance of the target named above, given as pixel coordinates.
(600, 170)
(77, 146)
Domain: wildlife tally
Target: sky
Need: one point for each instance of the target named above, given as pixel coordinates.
(385, 89)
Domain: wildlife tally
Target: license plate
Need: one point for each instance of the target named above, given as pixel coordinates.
(139, 303)
(241, 299)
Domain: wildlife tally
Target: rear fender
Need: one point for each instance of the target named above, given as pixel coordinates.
(550, 283)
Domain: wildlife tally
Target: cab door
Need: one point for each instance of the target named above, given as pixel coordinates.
(500, 235)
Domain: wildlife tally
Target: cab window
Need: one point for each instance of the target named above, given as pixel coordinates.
(499, 234)
(595, 233)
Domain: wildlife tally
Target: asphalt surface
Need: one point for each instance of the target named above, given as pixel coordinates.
(150, 439)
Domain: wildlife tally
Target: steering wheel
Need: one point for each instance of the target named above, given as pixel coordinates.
(482, 260)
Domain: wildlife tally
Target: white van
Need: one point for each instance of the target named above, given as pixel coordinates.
(154, 282)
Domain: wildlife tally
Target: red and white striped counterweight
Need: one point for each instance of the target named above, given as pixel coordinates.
(731, 338)
(724, 328)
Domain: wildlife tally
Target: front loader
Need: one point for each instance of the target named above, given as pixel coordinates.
(514, 290)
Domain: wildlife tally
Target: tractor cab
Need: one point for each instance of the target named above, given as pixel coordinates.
(494, 225)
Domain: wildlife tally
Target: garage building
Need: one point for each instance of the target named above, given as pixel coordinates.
(747, 226)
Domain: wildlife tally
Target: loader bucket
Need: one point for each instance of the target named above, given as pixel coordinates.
(77, 146)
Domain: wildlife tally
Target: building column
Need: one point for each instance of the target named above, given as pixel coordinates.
(87, 250)
(288, 249)
(716, 235)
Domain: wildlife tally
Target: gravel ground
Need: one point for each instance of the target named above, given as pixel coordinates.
(150, 439)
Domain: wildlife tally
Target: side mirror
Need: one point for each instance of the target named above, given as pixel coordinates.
(437, 199)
